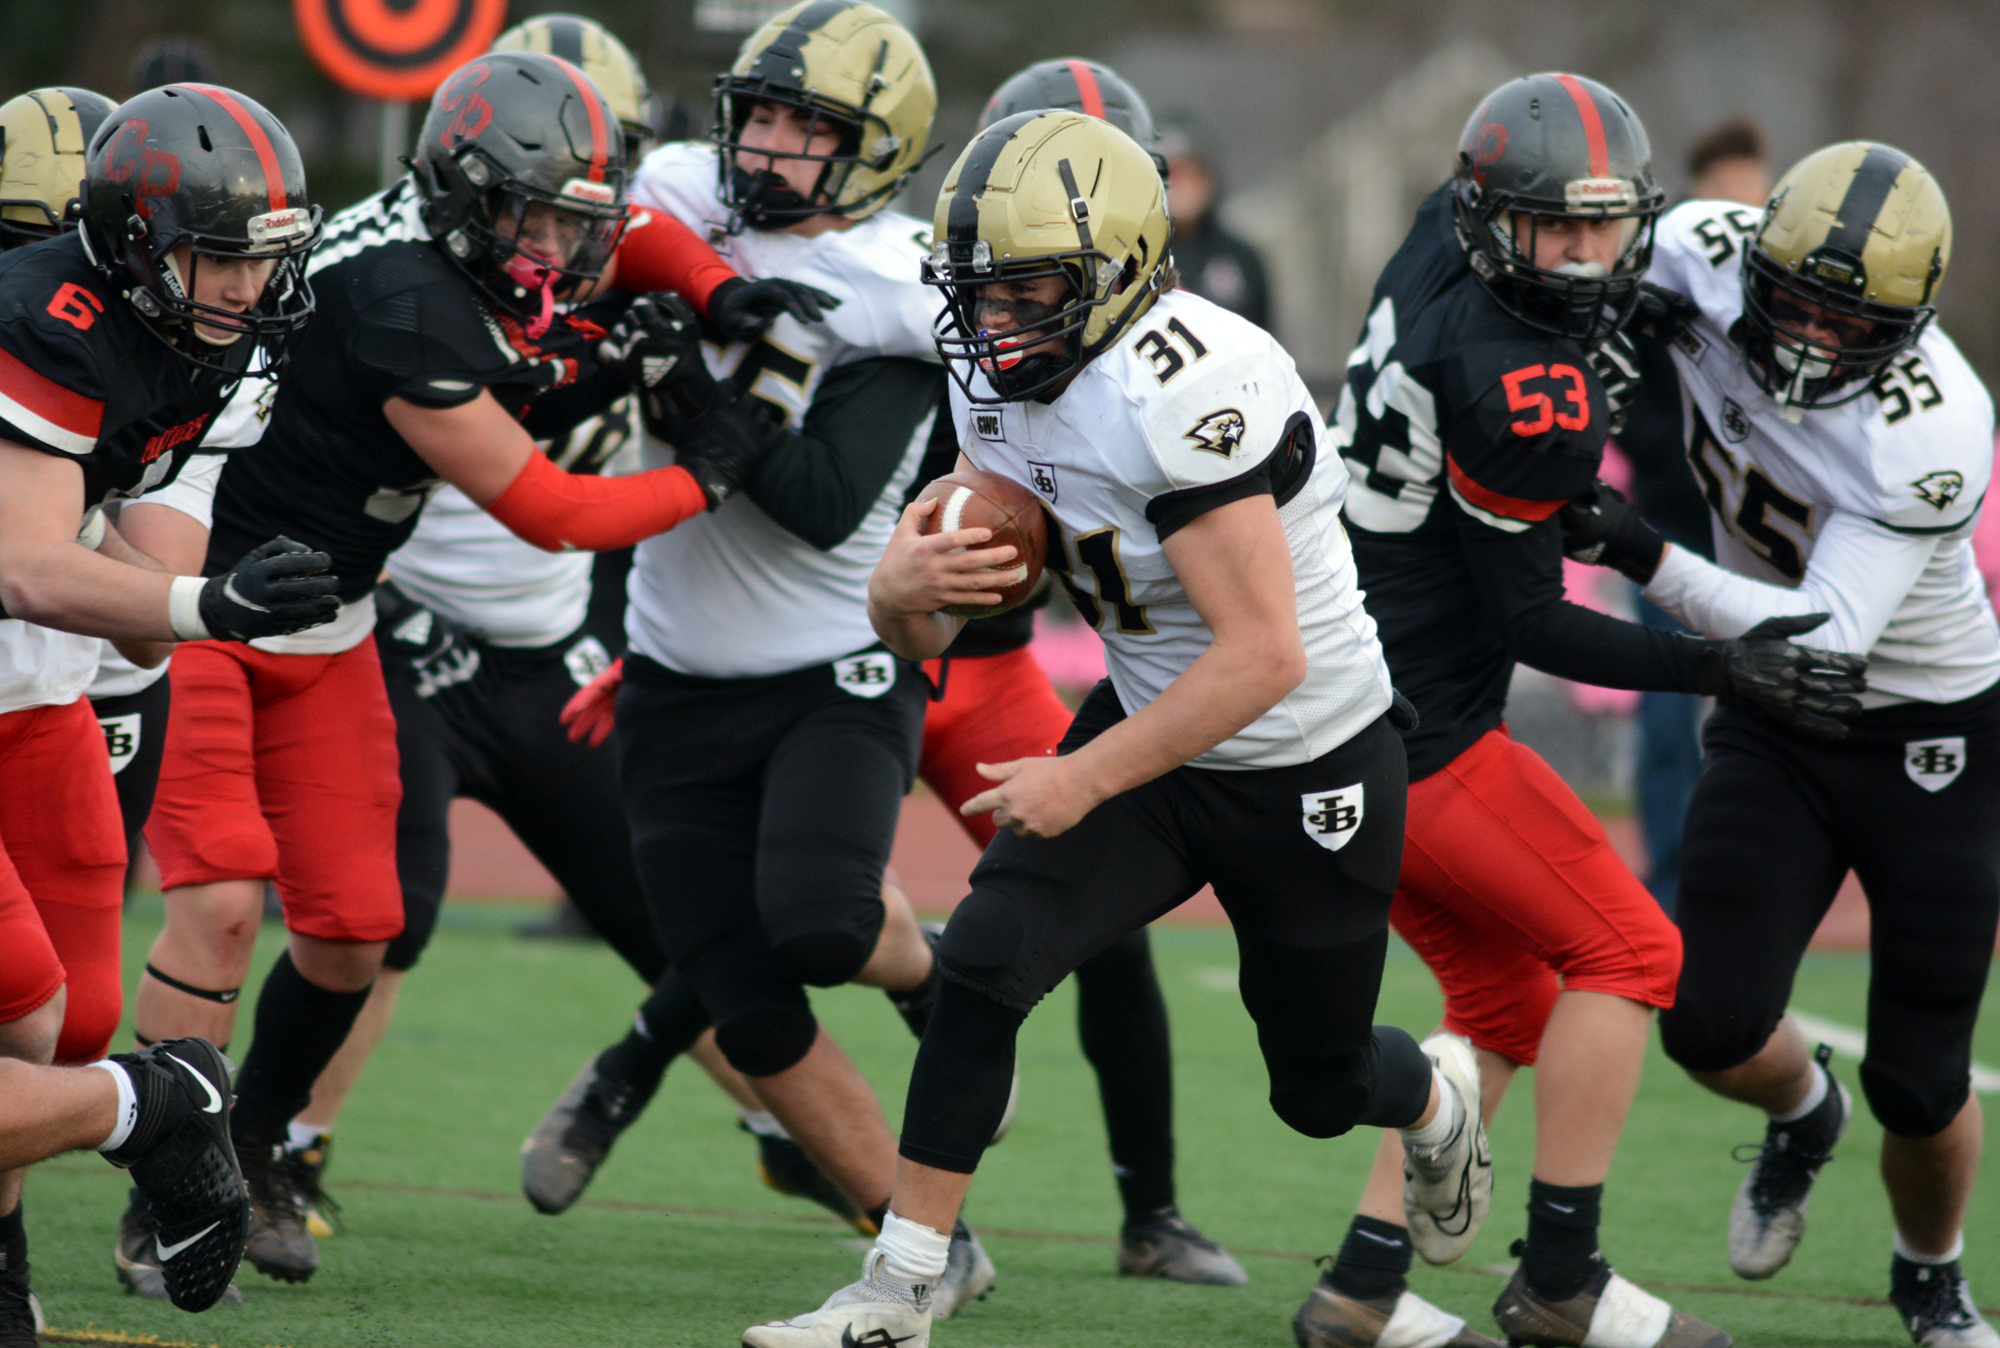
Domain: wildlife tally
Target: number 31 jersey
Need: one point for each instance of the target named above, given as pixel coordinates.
(1913, 455)
(1189, 411)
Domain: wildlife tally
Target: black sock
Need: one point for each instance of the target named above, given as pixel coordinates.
(11, 1229)
(300, 1026)
(1373, 1261)
(916, 1004)
(669, 1022)
(1561, 1255)
(1121, 1021)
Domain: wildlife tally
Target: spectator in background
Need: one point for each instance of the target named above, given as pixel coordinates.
(1214, 263)
(1727, 164)
(170, 60)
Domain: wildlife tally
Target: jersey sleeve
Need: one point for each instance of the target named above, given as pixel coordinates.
(53, 378)
(1930, 443)
(1698, 253)
(1216, 428)
(192, 492)
(1524, 432)
(418, 331)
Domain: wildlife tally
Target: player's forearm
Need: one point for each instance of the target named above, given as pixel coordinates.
(915, 636)
(72, 589)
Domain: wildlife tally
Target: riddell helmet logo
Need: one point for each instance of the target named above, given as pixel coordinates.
(273, 226)
(597, 194)
(1604, 192)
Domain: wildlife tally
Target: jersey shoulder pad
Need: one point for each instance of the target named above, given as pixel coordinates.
(417, 320)
(875, 270)
(1931, 440)
(1524, 418)
(58, 348)
(1212, 392)
(1698, 252)
(680, 178)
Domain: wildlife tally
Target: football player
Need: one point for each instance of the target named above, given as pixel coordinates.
(1844, 446)
(120, 342)
(1244, 737)
(1472, 412)
(438, 354)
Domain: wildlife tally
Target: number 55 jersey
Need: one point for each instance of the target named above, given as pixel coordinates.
(1197, 409)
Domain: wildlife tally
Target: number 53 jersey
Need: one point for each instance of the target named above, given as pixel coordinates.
(1192, 409)
(1908, 461)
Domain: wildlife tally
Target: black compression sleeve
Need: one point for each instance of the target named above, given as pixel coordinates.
(1520, 580)
(821, 480)
(560, 411)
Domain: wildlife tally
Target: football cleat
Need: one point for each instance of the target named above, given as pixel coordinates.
(871, 1313)
(1447, 1188)
(1937, 1306)
(968, 1274)
(784, 1166)
(1403, 1319)
(182, 1160)
(136, 1258)
(1608, 1313)
(1768, 1219)
(21, 1321)
(1168, 1246)
(280, 1246)
(562, 1155)
(308, 1165)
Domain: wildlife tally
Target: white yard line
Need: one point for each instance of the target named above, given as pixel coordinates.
(1853, 1042)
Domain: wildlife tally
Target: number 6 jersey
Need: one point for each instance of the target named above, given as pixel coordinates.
(1192, 410)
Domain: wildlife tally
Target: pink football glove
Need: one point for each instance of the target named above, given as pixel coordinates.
(593, 712)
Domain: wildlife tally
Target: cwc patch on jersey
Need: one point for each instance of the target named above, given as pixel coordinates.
(121, 738)
(1934, 764)
(1940, 489)
(1333, 818)
(1219, 432)
(869, 675)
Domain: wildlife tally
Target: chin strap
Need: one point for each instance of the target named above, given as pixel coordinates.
(529, 274)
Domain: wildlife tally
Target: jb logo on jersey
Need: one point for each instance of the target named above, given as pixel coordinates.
(1042, 477)
(1735, 424)
(121, 737)
(1934, 764)
(869, 675)
(1332, 818)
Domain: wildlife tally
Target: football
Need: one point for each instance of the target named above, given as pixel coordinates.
(976, 500)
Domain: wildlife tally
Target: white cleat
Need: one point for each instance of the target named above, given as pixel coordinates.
(1768, 1218)
(968, 1274)
(1447, 1190)
(1937, 1307)
(865, 1314)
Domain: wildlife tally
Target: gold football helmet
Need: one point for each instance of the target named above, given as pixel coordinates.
(851, 67)
(1046, 194)
(44, 135)
(1840, 277)
(589, 45)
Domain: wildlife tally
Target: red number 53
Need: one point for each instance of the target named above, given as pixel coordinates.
(1540, 404)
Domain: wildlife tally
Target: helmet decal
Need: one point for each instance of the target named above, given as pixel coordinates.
(475, 114)
(128, 157)
(593, 106)
(1086, 87)
(1593, 125)
(267, 155)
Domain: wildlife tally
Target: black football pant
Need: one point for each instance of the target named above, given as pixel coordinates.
(1910, 802)
(135, 733)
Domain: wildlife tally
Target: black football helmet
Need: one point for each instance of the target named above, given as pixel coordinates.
(1556, 145)
(1076, 85)
(507, 131)
(209, 168)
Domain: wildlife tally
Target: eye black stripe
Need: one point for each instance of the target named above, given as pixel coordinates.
(962, 224)
(776, 61)
(1872, 183)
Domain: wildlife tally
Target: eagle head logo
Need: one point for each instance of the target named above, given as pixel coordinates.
(1940, 489)
(1218, 432)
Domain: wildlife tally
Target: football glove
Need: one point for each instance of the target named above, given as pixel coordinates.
(1617, 367)
(740, 308)
(1604, 529)
(422, 648)
(1797, 686)
(593, 712)
(656, 344)
(1661, 313)
(277, 589)
(723, 445)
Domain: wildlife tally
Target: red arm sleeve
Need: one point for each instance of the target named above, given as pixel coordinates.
(566, 512)
(658, 252)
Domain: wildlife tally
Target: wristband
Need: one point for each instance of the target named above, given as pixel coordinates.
(184, 609)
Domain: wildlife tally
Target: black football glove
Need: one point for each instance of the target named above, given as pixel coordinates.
(723, 445)
(1604, 529)
(656, 344)
(1617, 367)
(419, 646)
(1797, 686)
(280, 588)
(1661, 312)
(741, 308)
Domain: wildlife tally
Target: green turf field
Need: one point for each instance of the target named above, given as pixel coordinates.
(679, 1244)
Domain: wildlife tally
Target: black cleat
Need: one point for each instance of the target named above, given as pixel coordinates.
(181, 1159)
(1168, 1246)
(21, 1322)
(1768, 1218)
(562, 1155)
(784, 1166)
(309, 1165)
(280, 1246)
(1936, 1305)
(136, 1258)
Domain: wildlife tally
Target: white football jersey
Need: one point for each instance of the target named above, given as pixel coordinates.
(732, 594)
(1865, 510)
(1192, 397)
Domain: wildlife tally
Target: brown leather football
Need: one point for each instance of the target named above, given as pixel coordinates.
(976, 500)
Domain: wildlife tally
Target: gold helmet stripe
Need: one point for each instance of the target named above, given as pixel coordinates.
(783, 58)
(1873, 180)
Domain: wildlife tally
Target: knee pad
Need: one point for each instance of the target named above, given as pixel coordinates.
(1902, 1103)
(765, 1042)
(1321, 1096)
(1698, 1044)
(822, 959)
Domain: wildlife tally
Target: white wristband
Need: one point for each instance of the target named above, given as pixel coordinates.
(184, 609)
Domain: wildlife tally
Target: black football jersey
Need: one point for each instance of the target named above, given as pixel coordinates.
(1465, 431)
(395, 318)
(82, 378)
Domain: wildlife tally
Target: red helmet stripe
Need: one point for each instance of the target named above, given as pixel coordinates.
(1086, 87)
(600, 151)
(267, 154)
(1593, 125)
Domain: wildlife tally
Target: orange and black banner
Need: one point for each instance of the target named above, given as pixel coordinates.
(396, 49)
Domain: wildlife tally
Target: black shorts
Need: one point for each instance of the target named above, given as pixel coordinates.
(135, 731)
(1910, 802)
(1303, 859)
(762, 814)
(496, 738)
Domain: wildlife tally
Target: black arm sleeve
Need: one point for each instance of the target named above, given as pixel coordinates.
(822, 479)
(1519, 576)
(560, 411)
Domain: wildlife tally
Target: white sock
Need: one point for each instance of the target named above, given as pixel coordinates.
(763, 1124)
(913, 1254)
(1903, 1251)
(1814, 1096)
(128, 1105)
(1449, 1112)
(300, 1136)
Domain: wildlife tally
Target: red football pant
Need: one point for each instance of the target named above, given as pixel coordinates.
(284, 767)
(62, 875)
(995, 709)
(1510, 885)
